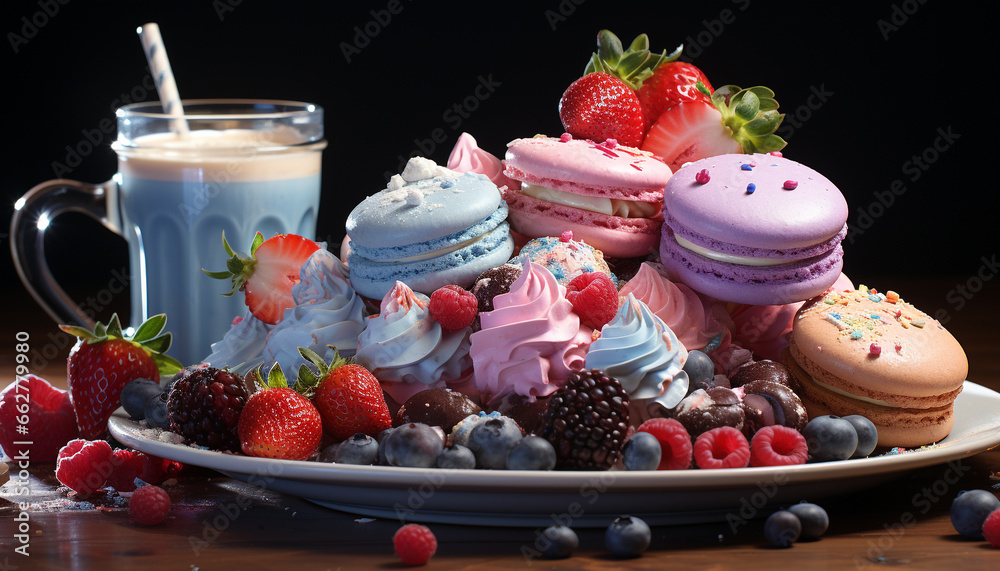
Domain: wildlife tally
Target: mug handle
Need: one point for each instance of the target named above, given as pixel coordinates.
(32, 214)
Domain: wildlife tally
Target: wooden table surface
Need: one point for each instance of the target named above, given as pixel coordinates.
(902, 523)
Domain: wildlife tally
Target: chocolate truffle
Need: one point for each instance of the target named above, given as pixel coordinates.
(768, 402)
(436, 407)
(765, 370)
(494, 282)
(704, 410)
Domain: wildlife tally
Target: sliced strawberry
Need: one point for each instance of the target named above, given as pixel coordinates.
(104, 360)
(599, 106)
(268, 274)
(735, 121)
(672, 82)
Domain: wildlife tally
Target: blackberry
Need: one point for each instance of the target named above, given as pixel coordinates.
(587, 421)
(204, 407)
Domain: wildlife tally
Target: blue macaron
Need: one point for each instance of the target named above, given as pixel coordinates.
(428, 232)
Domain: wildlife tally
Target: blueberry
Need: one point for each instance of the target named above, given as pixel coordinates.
(381, 438)
(136, 394)
(969, 511)
(558, 542)
(867, 435)
(491, 440)
(813, 518)
(830, 438)
(329, 453)
(531, 453)
(155, 412)
(359, 449)
(627, 537)
(642, 452)
(700, 370)
(413, 445)
(456, 457)
(782, 528)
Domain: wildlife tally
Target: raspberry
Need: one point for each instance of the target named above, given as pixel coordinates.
(414, 544)
(778, 446)
(722, 447)
(594, 298)
(127, 465)
(675, 443)
(84, 465)
(453, 307)
(991, 528)
(149, 505)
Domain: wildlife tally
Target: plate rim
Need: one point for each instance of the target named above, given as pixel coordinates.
(124, 430)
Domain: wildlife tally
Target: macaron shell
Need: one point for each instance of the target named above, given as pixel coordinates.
(422, 211)
(462, 267)
(613, 235)
(586, 167)
(754, 285)
(907, 427)
(771, 216)
(921, 360)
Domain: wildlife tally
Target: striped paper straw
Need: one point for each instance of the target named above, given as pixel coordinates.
(159, 65)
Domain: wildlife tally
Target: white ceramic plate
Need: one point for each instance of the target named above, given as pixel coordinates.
(524, 498)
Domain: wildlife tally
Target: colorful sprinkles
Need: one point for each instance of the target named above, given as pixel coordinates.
(746, 167)
(790, 185)
(702, 177)
(565, 138)
(871, 323)
(751, 187)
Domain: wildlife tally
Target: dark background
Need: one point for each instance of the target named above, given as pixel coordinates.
(872, 87)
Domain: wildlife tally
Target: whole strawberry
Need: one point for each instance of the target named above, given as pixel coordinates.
(348, 396)
(51, 422)
(267, 275)
(278, 422)
(104, 360)
(599, 106)
(603, 104)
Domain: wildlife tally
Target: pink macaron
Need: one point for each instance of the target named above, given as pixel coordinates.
(755, 229)
(608, 195)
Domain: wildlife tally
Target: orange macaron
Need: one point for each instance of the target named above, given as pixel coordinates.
(864, 352)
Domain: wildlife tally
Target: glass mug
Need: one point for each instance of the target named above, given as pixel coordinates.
(244, 166)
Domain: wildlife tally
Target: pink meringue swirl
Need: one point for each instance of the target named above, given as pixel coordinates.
(468, 157)
(676, 304)
(408, 351)
(532, 340)
(764, 328)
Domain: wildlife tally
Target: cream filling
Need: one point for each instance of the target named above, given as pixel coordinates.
(608, 206)
(436, 253)
(732, 258)
(855, 397)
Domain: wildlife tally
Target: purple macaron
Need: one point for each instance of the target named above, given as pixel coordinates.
(755, 229)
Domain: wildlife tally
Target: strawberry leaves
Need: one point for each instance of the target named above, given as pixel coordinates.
(239, 268)
(751, 114)
(149, 336)
(633, 65)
